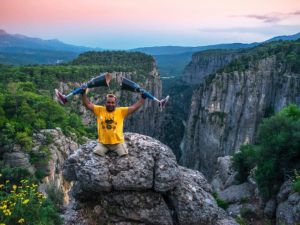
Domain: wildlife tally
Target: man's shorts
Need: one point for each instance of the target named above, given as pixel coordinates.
(120, 148)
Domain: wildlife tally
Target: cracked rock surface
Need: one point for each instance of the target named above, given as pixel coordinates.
(145, 187)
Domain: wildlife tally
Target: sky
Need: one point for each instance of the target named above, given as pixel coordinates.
(126, 24)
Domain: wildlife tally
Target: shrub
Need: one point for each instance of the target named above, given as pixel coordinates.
(24, 140)
(241, 221)
(49, 139)
(43, 155)
(40, 174)
(244, 161)
(55, 195)
(296, 182)
(23, 204)
(279, 149)
(221, 203)
(276, 153)
(14, 175)
(26, 112)
(248, 213)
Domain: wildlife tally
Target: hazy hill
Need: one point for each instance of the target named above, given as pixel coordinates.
(285, 38)
(15, 42)
(35, 56)
(171, 60)
(18, 49)
(174, 50)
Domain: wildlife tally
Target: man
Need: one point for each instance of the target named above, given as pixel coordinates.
(110, 121)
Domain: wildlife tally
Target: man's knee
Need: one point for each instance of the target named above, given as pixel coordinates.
(100, 149)
(121, 149)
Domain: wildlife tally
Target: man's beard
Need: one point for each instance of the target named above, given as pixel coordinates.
(110, 108)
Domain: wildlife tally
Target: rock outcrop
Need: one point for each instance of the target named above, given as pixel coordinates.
(17, 158)
(52, 147)
(244, 200)
(145, 187)
(59, 147)
(206, 63)
(227, 109)
(288, 205)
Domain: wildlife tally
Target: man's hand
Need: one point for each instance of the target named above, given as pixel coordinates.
(143, 96)
(85, 91)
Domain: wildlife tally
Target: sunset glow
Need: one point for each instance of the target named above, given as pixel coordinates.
(135, 23)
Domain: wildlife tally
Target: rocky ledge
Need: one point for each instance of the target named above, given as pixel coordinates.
(145, 187)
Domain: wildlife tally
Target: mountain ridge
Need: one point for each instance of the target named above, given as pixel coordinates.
(18, 49)
(167, 50)
(153, 50)
(24, 42)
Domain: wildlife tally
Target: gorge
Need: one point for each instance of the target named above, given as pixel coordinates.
(215, 107)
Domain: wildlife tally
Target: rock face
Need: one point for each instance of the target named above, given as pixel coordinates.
(245, 201)
(148, 119)
(145, 187)
(59, 147)
(207, 62)
(51, 145)
(17, 158)
(226, 110)
(242, 199)
(236, 193)
(224, 176)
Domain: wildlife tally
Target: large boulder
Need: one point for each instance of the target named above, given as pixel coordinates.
(145, 187)
(192, 200)
(237, 193)
(225, 174)
(17, 158)
(243, 199)
(288, 209)
(150, 165)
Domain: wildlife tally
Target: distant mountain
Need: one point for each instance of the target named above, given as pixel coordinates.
(11, 42)
(172, 50)
(17, 49)
(32, 56)
(171, 60)
(285, 38)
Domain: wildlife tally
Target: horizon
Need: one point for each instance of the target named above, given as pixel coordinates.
(131, 24)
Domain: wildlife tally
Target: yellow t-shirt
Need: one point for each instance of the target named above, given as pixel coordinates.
(110, 124)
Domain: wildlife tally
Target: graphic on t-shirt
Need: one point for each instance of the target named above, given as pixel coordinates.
(109, 123)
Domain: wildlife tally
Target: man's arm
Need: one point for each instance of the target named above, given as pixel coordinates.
(86, 102)
(136, 106)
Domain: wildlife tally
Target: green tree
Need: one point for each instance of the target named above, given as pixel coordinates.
(244, 161)
(276, 154)
(279, 141)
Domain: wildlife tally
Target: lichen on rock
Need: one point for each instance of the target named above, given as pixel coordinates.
(145, 187)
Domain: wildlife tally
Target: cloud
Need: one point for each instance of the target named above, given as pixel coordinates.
(271, 18)
(296, 13)
(266, 18)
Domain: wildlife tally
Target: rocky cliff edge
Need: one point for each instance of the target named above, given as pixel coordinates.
(145, 187)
